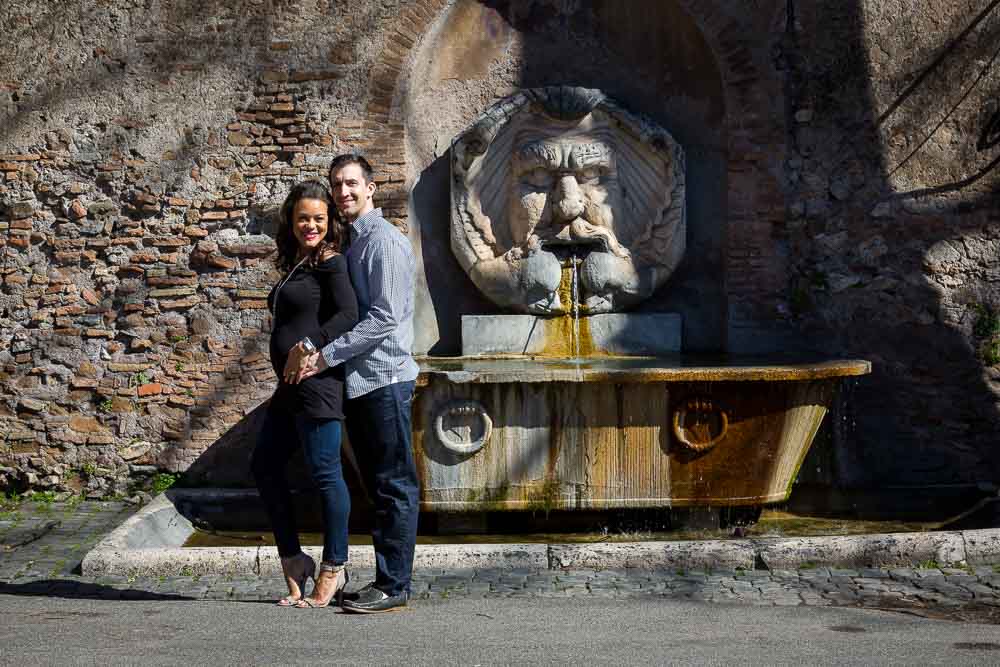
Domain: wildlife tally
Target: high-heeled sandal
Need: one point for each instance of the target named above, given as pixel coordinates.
(297, 570)
(340, 578)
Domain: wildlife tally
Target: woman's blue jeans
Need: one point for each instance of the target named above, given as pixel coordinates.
(281, 436)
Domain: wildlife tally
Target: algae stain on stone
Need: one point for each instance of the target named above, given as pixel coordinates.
(559, 331)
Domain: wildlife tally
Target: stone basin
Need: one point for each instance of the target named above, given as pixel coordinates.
(524, 433)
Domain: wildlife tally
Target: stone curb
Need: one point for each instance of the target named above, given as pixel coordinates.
(145, 545)
(265, 561)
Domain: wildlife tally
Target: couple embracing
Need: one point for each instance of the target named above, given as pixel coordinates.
(340, 344)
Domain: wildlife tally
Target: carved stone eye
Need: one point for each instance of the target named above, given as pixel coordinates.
(539, 178)
(589, 175)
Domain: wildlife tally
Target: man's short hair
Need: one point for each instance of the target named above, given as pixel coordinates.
(351, 158)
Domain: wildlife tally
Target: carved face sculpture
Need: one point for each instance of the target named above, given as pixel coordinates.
(557, 176)
(558, 182)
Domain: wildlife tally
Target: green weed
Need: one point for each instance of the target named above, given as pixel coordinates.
(163, 481)
(991, 353)
(41, 497)
(987, 322)
(986, 330)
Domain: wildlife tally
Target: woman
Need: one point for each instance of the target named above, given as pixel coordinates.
(311, 305)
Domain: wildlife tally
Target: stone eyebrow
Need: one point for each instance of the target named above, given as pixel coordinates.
(590, 154)
(538, 154)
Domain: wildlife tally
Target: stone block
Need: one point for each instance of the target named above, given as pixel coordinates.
(627, 334)
(887, 550)
(150, 389)
(82, 424)
(653, 555)
(77, 210)
(21, 209)
(31, 405)
(982, 546)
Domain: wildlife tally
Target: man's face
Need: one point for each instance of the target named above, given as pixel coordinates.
(352, 193)
(557, 181)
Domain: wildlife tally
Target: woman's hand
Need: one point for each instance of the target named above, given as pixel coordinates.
(302, 364)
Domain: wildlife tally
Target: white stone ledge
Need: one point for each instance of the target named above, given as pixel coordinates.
(161, 529)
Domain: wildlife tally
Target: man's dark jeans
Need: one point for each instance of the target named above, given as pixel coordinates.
(378, 425)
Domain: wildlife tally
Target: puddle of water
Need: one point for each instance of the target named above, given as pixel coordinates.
(772, 523)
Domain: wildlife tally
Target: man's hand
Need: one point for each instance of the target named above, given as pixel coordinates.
(302, 364)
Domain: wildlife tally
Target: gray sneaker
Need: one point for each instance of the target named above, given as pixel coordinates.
(370, 600)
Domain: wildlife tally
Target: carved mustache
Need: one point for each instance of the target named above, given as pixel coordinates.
(563, 210)
(581, 220)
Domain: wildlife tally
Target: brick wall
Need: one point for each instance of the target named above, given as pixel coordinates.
(147, 145)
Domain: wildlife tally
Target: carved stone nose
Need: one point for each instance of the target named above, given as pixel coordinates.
(569, 199)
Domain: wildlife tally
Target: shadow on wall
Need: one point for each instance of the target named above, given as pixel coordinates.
(226, 464)
(887, 227)
(864, 274)
(134, 117)
(894, 264)
(892, 231)
(452, 294)
(188, 43)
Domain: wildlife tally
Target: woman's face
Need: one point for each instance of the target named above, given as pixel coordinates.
(309, 223)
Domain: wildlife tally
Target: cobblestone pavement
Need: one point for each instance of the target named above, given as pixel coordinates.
(42, 545)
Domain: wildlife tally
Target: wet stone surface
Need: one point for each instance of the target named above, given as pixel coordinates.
(42, 545)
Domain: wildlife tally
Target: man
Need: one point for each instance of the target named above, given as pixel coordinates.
(380, 375)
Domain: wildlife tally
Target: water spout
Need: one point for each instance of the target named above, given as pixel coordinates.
(574, 263)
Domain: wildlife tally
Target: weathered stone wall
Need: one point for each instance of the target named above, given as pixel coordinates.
(664, 68)
(145, 147)
(891, 231)
(146, 144)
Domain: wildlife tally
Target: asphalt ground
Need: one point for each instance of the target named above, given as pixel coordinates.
(478, 631)
(43, 543)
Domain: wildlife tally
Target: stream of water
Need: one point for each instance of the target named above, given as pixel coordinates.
(575, 285)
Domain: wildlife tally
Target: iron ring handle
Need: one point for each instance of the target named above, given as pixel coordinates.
(701, 405)
(460, 408)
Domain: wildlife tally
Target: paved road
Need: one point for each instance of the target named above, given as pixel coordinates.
(484, 616)
(42, 630)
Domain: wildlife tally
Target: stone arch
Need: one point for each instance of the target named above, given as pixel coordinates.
(754, 140)
(757, 138)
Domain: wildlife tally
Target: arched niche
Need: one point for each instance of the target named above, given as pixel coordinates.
(650, 55)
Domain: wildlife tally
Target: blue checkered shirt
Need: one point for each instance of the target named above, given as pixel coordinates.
(377, 351)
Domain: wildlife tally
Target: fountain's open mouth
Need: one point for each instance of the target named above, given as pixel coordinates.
(563, 248)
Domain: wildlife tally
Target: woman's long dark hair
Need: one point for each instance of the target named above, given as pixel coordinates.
(288, 245)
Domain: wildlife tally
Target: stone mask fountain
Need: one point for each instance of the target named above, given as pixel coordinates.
(566, 211)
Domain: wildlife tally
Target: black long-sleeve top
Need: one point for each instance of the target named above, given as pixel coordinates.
(317, 302)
